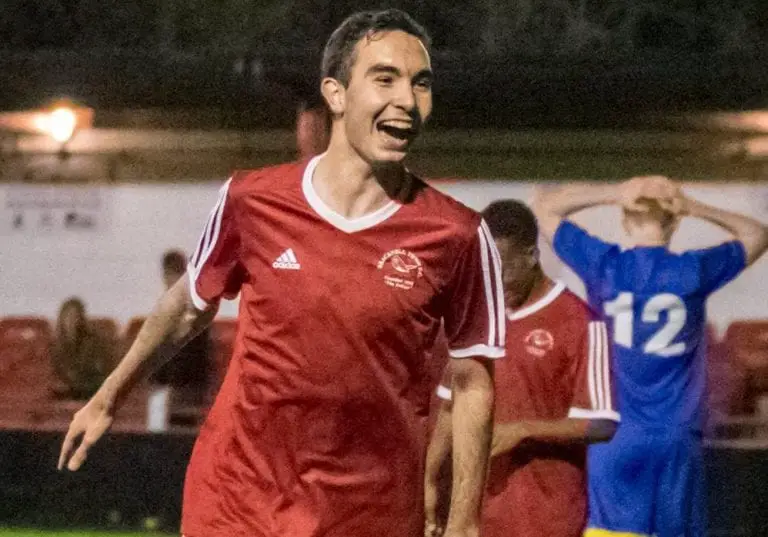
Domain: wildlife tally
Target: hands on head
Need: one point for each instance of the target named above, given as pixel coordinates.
(638, 194)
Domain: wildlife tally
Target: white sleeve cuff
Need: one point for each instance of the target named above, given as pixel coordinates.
(586, 414)
(197, 300)
(444, 393)
(478, 350)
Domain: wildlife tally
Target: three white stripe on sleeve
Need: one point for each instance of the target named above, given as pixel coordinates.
(598, 370)
(207, 244)
(490, 263)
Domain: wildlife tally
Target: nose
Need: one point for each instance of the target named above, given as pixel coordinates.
(405, 98)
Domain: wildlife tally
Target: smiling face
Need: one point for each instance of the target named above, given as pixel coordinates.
(388, 98)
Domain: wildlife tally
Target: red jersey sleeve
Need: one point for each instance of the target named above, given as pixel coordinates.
(214, 270)
(593, 396)
(474, 317)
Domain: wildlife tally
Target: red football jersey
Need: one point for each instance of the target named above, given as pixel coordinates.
(319, 427)
(557, 367)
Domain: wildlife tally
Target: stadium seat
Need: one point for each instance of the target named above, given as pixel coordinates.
(711, 334)
(25, 370)
(24, 353)
(747, 343)
(105, 327)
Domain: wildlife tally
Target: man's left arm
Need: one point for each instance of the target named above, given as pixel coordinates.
(473, 399)
(475, 327)
(507, 436)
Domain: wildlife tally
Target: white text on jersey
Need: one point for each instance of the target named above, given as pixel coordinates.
(287, 260)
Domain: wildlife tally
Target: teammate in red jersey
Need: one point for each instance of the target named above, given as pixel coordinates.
(345, 266)
(553, 395)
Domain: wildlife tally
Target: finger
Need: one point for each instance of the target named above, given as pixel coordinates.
(80, 455)
(432, 530)
(636, 206)
(69, 443)
(676, 206)
(668, 204)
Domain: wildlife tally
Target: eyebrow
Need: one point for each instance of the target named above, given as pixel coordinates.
(383, 68)
(390, 69)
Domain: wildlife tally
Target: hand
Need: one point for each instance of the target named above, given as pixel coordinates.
(506, 437)
(90, 423)
(433, 527)
(634, 192)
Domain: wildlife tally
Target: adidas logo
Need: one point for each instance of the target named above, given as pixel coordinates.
(287, 260)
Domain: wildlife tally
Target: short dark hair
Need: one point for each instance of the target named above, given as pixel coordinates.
(339, 52)
(512, 219)
(174, 261)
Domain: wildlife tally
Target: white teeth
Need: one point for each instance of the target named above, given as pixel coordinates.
(401, 126)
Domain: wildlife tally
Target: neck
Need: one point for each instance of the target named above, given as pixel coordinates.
(649, 241)
(644, 234)
(353, 187)
(541, 286)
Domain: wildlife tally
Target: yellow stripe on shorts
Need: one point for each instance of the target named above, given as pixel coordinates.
(599, 532)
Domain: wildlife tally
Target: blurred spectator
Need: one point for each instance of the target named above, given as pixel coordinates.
(81, 358)
(187, 376)
(312, 128)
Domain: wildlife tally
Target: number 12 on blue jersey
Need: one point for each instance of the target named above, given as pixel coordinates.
(622, 311)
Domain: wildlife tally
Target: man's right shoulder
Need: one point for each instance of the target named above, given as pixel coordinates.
(270, 178)
(450, 211)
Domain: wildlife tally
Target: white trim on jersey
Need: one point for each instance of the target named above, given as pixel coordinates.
(206, 245)
(197, 300)
(585, 414)
(540, 304)
(499, 298)
(347, 225)
(444, 393)
(598, 371)
(494, 293)
(477, 350)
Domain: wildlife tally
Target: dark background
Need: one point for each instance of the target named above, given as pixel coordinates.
(503, 64)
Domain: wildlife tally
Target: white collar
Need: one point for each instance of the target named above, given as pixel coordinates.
(332, 217)
(538, 305)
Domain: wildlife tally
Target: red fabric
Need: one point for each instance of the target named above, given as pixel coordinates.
(552, 367)
(319, 427)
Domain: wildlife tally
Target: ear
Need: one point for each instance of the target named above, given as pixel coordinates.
(334, 94)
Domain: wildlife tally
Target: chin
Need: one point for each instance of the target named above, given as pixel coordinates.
(384, 159)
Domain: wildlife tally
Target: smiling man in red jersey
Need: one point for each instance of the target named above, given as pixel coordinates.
(346, 265)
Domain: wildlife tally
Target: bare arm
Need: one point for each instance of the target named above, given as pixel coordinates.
(507, 436)
(173, 322)
(552, 207)
(750, 232)
(473, 397)
(437, 454)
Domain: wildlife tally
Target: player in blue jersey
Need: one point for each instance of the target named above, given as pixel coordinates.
(649, 479)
